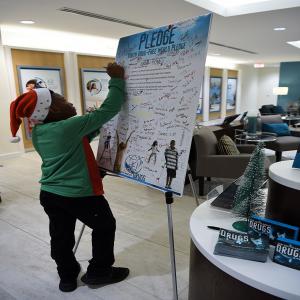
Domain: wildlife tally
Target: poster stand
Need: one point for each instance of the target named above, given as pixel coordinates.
(169, 200)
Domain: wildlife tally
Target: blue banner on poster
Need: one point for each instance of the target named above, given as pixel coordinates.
(149, 141)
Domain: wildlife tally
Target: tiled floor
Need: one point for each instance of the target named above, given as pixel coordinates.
(27, 271)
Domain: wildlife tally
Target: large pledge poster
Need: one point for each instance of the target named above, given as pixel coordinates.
(149, 140)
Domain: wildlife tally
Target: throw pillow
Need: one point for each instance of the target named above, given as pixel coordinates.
(281, 129)
(227, 146)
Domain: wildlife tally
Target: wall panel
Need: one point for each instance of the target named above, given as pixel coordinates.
(39, 59)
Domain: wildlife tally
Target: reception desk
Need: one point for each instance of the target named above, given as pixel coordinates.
(219, 277)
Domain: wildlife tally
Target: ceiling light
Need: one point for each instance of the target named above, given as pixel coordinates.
(279, 28)
(259, 65)
(231, 3)
(28, 22)
(215, 54)
(240, 7)
(295, 43)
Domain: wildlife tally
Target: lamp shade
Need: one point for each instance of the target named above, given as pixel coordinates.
(280, 90)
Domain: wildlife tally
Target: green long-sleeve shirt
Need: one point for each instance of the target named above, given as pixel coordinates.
(68, 164)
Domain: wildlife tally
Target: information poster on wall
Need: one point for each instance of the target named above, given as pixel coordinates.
(149, 140)
(94, 87)
(231, 93)
(45, 77)
(215, 93)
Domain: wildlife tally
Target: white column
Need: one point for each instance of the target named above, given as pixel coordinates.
(72, 80)
(7, 95)
(239, 92)
(247, 88)
(224, 93)
(206, 94)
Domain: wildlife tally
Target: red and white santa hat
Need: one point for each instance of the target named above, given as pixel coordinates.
(34, 105)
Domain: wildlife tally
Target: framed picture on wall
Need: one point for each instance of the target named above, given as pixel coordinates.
(231, 93)
(215, 94)
(45, 77)
(49, 77)
(94, 88)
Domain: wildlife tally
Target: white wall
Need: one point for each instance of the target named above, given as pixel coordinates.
(268, 78)
(248, 88)
(72, 80)
(7, 94)
(257, 87)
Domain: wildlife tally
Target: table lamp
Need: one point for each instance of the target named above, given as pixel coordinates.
(280, 90)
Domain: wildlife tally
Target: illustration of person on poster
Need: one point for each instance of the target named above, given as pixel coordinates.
(171, 156)
(154, 150)
(106, 153)
(164, 71)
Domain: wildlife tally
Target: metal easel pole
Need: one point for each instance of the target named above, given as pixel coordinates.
(192, 184)
(169, 201)
(79, 238)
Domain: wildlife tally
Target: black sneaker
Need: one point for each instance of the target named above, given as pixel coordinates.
(116, 275)
(69, 285)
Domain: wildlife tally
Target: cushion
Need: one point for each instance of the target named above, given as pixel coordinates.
(227, 146)
(281, 129)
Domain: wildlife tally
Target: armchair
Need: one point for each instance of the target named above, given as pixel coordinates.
(282, 143)
(205, 162)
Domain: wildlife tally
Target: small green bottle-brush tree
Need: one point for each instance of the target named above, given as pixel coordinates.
(249, 198)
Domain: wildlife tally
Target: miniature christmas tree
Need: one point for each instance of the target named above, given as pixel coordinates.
(249, 199)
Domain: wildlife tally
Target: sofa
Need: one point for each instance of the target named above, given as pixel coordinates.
(282, 143)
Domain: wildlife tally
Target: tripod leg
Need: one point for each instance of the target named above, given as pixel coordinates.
(79, 238)
(169, 200)
(192, 185)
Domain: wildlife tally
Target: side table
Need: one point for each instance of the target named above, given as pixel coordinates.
(259, 137)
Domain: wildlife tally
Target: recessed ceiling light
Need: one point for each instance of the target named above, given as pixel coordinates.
(279, 28)
(215, 54)
(27, 22)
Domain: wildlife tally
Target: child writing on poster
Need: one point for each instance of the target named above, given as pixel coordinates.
(121, 147)
(71, 187)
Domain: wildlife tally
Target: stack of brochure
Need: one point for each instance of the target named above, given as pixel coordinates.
(287, 253)
(242, 245)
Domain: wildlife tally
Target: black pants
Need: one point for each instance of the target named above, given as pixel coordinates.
(93, 211)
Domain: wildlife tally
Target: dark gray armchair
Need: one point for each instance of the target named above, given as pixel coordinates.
(205, 162)
(282, 143)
